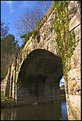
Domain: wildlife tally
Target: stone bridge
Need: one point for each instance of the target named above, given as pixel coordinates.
(38, 65)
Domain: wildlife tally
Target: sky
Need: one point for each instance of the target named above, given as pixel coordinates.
(10, 12)
(62, 82)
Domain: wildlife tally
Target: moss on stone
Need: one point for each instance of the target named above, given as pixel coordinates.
(65, 39)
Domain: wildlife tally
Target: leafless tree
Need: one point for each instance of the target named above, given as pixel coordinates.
(44, 5)
(29, 20)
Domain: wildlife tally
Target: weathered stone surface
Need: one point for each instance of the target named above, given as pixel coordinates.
(77, 32)
(75, 21)
(73, 7)
(30, 96)
(74, 87)
(76, 58)
(74, 107)
(4, 83)
(74, 74)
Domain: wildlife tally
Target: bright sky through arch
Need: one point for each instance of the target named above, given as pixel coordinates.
(62, 82)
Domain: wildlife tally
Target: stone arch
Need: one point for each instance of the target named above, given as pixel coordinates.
(40, 67)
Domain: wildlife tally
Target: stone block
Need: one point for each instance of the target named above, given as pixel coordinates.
(77, 32)
(74, 75)
(75, 21)
(72, 8)
(75, 101)
(76, 58)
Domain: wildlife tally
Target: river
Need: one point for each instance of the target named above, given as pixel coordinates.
(56, 111)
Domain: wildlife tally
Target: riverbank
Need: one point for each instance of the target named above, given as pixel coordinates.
(7, 102)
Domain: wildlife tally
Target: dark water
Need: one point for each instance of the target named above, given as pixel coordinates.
(39, 112)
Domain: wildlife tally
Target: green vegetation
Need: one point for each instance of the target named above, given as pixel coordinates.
(4, 75)
(4, 98)
(41, 22)
(26, 37)
(9, 66)
(9, 49)
(38, 24)
(65, 39)
(34, 32)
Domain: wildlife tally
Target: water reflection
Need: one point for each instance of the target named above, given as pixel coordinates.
(38, 112)
(64, 111)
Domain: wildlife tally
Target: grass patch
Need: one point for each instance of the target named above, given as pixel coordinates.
(4, 98)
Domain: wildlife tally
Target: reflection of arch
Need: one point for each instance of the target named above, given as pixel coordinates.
(64, 111)
(40, 69)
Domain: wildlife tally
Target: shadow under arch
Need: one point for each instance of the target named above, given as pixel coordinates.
(40, 71)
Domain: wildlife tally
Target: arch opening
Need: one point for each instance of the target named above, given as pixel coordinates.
(40, 75)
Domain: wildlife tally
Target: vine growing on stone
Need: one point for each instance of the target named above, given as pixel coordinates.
(65, 39)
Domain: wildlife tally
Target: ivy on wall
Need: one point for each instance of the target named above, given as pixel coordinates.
(27, 36)
(65, 39)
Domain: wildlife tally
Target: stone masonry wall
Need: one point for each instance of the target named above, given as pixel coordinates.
(74, 75)
(5, 84)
